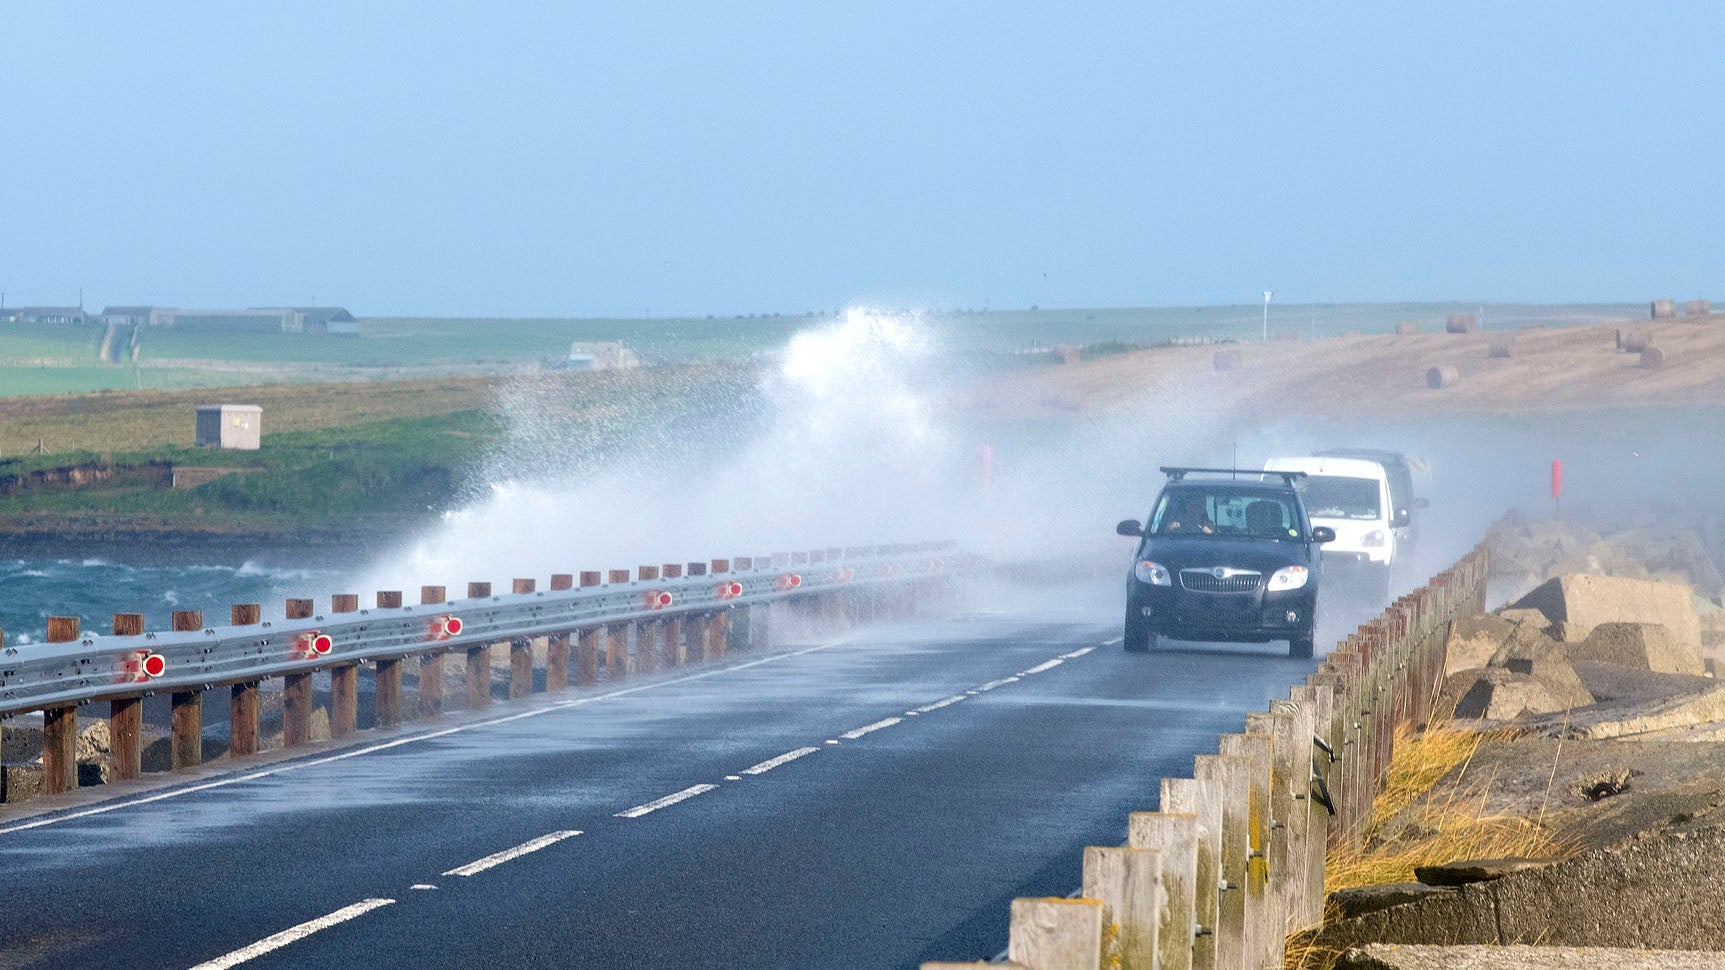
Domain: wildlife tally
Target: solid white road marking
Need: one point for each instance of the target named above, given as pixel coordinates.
(831, 741)
(772, 763)
(272, 943)
(937, 705)
(733, 777)
(869, 728)
(422, 885)
(666, 802)
(1049, 665)
(1002, 682)
(398, 742)
(498, 858)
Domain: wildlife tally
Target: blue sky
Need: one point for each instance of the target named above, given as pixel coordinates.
(518, 159)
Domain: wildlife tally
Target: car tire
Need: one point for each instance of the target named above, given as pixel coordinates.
(1300, 646)
(1138, 640)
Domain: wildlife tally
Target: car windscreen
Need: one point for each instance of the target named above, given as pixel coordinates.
(1335, 497)
(1226, 514)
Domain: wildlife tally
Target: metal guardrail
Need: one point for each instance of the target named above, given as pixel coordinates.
(50, 675)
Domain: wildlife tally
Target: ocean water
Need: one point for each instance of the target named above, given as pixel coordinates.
(94, 587)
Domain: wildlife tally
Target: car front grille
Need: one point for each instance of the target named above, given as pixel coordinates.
(1231, 580)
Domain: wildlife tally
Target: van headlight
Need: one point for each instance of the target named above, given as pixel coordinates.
(1153, 573)
(1374, 539)
(1289, 577)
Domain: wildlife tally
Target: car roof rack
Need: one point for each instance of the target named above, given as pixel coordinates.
(1176, 473)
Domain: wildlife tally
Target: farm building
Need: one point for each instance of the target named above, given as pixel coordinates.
(312, 320)
(237, 426)
(50, 314)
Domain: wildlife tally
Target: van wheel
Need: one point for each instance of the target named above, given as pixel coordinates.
(1139, 641)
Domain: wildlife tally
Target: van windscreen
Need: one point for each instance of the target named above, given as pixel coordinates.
(1332, 497)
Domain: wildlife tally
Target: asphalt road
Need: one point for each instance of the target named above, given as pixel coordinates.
(873, 802)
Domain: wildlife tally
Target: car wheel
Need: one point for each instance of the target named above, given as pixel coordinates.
(1139, 640)
(1300, 646)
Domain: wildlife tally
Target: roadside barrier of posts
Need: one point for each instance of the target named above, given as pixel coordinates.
(612, 625)
(1233, 862)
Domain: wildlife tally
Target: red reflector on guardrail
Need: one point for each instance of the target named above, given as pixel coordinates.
(789, 581)
(322, 644)
(443, 627)
(657, 599)
(155, 665)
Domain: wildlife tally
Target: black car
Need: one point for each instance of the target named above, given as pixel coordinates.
(1230, 559)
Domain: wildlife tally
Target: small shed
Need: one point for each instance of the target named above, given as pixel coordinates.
(230, 426)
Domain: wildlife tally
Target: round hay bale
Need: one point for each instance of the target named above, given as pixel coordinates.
(1407, 327)
(1697, 308)
(1443, 375)
(1653, 358)
(1664, 309)
(1635, 341)
(1501, 345)
(1225, 359)
(1461, 323)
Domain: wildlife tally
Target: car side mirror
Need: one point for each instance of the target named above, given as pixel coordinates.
(1422, 503)
(1323, 533)
(1129, 527)
(1402, 518)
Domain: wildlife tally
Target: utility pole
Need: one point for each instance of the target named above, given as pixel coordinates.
(1266, 316)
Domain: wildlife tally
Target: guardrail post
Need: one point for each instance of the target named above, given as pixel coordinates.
(672, 649)
(430, 688)
(1175, 839)
(557, 644)
(1290, 733)
(1317, 703)
(344, 685)
(587, 640)
(521, 651)
(1203, 801)
(1056, 934)
(647, 631)
(698, 624)
(617, 636)
(478, 658)
(1128, 884)
(833, 602)
(60, 725)
(244, 708)
(186, 746)
(719, 621)
(126, 715)
(1263, 921)
(1228, 776)
(296, 687)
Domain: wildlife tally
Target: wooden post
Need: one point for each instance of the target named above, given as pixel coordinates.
(671, 635)
(1128, 884)
(1056, 934)
(616, 636)
(647, 631)
(296, 687)
(719, 623)
(587, 640)
(186, 747)
(557, 644)
(1263, 921)
(243, 698)
(1175, 837)
(521, 651)
(1320, 701)
(60, 725)
(478, 659)
(431, 664)
(698, 625)
(1203, 801)
(344, 685)
(1228, 776)
(126, 715)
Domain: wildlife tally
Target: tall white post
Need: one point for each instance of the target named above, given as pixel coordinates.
(1266, 316)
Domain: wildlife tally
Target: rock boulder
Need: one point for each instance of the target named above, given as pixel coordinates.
(1578, 602)
(1641, 646)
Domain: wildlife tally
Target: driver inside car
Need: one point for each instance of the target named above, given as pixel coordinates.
(1190, 518)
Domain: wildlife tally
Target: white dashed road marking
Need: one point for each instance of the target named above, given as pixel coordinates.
(1039, 668)
(666, 802)
(1074, 655)
(772, 763)
(937, 705)
(1002, 682)
(870, 728)
(270, 944)
(499, 858)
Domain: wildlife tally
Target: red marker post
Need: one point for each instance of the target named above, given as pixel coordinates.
(1556, 486)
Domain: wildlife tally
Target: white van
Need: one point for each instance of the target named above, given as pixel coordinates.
(1351, 496)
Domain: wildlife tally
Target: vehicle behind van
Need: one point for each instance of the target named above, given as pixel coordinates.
(1351, 496)
(1408, 478)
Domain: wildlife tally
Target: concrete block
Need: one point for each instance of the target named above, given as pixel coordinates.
(20, 781)
(1467, 871)
(1587, 601)
(1360, 900)
(1473, 640)
(1642, 646)
(1501, 694)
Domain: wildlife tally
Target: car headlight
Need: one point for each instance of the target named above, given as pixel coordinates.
(1153, 573)
(1289, 577)
(1374, 539)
